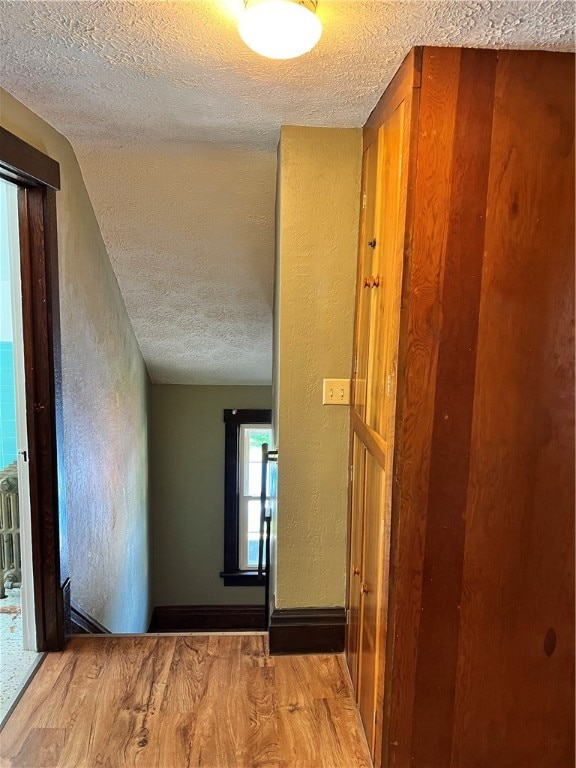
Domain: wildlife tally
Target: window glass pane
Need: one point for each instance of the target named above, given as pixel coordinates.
(254, 479)
(250, 472)
(253, 516)
(252, 556)
(257, 436)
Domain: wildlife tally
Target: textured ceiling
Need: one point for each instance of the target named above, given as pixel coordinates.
(175, 123)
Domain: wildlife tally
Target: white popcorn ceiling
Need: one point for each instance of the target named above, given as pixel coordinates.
(175, 124)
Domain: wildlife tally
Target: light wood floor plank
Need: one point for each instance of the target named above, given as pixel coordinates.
(194, 701)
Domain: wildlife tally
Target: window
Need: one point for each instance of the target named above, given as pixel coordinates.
(245, 433)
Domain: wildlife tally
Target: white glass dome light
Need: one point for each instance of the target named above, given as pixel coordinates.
(280, 29)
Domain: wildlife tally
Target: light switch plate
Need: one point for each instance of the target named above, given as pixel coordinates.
(336, 392)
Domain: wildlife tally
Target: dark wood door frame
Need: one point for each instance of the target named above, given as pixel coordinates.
(38, 178)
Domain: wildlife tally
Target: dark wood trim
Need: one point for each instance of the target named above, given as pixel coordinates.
(242, 579)
(247, 416)
(37, 177)
(307, 630)
(38, 252)
(83, 624)
(25, 164)
(207, 618)
(233, 419)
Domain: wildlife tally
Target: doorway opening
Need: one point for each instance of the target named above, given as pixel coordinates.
(34, 537)
(18, 641)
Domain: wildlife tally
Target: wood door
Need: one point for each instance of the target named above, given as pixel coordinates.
(365, 274)
(392, 179)
(373, 590)
(355, 559)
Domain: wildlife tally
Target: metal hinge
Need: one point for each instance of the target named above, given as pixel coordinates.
(347, 615)
(355, 365)
(375, 716)
(364, 201)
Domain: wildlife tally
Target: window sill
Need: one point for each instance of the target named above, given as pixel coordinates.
(242, 579)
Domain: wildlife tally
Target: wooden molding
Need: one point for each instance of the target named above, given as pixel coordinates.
(19, 160)
(206, 618)
(307, 630)
(374, 442)
(82, 623)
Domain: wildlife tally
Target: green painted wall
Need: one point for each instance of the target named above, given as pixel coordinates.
(318, 201)
(187, 492)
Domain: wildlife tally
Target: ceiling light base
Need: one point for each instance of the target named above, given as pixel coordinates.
(280, 29)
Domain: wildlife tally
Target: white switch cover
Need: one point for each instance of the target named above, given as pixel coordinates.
(336, 392)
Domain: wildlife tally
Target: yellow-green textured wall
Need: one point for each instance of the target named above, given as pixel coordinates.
(187, 492)
(104, 384)
(317, 232)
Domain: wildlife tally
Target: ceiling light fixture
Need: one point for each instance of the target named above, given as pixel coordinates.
(280, 29)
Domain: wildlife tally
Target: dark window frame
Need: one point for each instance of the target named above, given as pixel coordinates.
(233, 420)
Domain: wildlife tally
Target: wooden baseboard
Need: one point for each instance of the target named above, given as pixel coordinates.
(307, 630)
(81, 623)
(206, 618)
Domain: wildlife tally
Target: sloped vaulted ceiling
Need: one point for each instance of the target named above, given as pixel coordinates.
(175, 124)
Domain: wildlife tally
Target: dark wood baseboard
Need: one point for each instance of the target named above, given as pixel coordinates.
(307, 630)
(206, 618)
(81, 623)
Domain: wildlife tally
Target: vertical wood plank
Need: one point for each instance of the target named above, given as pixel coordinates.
(419, 332)
(515, 693)
(455, 375)
(355, 559)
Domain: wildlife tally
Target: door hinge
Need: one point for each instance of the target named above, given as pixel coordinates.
(355, 364)
(347, 615)
(388, 384)
(364, 201)
(351, 474)
(375, 716)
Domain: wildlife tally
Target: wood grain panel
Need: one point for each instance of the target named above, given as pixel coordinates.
(355, 557)
(218, 701)
(455, 375)
(515, 694)
(385, 293)
(408, 78)
(419, 339)
(375, 562)
(368, 225)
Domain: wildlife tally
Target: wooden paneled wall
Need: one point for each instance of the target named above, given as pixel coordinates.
(480, 602)
(483, 668)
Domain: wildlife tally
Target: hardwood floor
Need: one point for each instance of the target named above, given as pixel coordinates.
(194, 701)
